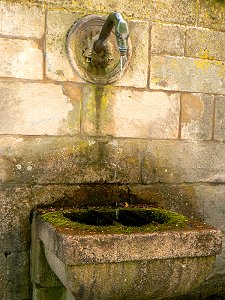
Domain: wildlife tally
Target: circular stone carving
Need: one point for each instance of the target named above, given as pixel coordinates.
(103, 68)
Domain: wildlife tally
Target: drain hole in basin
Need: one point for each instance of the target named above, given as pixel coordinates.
(89, 217)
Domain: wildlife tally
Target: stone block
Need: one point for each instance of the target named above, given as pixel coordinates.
(3, 278)
(20, 59)
(177, 162)
(37, 109)
(18, 273)
(129, 113)
(168, 39)
(17, 19)
(187, 74)
(196, 116)
(125, 159)
(219, 131)
(204, 43)
(15, 210)
(212, 14)
(58, 66)
(54, 160)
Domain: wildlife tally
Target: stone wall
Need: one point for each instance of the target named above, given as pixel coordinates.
(158, 133)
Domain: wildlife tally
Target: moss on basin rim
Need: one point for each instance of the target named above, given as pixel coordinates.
(161, 220)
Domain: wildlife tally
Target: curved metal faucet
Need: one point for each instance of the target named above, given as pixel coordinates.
(122, 33)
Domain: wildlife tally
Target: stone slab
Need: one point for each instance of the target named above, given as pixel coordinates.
(204, 43)
(130, 113)
(19, 20)
(15, 210)
(20, 59)
(18, 273)
(197, 116)
(54, 160)
(177, 162)
(38, 109)
(187, 74)
(168, 39)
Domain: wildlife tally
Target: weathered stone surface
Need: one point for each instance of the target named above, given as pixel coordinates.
(75, 195)
(20, 59)
(3, 277)
(20, 20)
(184, 12)
(137, 71)
(58, 67)
(196, 116)
(187, 74)
(204, 43)
(202, 201)
(168, 39)
(18, 273)
(212, 14)
(125, 159)
(128, 113)
(219, 131)
(15, 210)
(168, 161)
(36, 108)
(55, 160)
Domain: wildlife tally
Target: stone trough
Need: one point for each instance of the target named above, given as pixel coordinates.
(122, 253)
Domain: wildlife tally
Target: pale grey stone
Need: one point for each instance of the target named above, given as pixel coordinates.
(177, 162)
(20, 59)
(187, 74)
(168, 39)
(130, 113)
(58, 66)
(38, 109)
(18, 19)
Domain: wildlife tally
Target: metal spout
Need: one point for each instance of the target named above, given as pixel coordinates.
(122, 33)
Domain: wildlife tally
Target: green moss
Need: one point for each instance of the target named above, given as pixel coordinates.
(144, 220)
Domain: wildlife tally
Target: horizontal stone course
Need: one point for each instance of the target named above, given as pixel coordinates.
(38, 109)
(20, 59)
(18, 19)
(69, 160)
(168, 161)
(187, 74)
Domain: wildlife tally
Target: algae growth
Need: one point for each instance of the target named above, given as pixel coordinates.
(121, 220)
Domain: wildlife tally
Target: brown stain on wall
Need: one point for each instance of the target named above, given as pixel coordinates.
(191, 107)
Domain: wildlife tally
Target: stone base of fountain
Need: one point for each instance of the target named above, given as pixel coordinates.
(117, 260)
